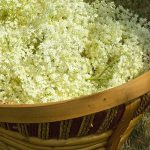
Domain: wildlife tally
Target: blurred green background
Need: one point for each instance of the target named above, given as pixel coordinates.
(141, 7)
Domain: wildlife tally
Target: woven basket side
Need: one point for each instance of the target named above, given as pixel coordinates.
(10, 140)
(78, 127)
(17, 141)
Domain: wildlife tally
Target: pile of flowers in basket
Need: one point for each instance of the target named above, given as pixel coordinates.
(59, 49)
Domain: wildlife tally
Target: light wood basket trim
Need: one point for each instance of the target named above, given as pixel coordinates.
(134, 121)
(25, 144)
(53, 142)
(93, 147)
(123, 124)
(28, 146)
(130, 128)
(78, 107)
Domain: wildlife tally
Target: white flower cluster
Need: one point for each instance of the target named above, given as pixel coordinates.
(52, 50)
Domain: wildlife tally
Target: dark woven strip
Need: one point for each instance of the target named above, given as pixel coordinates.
(47, 131)
(3, 125)
(65, 127)
(82, 126)
(7, 126)
(61, 129)
(111, 114)
(90, 124)
(44, 130)
(145, 102)
(85, 125)
(22, 128)
(13, 127)
(19, 128)
(68, 129)
(40, 130)
(26, 130)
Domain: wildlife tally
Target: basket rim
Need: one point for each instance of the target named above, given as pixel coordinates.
(76, 107)
(141, 77)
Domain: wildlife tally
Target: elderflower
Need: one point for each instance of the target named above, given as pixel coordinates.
(59, 49)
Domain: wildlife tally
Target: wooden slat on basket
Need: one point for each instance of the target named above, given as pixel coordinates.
(129, 130)
(123, 125)
(89, 142)
(55, 142)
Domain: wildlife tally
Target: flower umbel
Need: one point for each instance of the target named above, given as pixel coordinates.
(60, 49)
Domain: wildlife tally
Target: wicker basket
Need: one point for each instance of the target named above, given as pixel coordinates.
(99, 121)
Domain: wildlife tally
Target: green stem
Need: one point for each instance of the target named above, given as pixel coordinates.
(110, 65)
